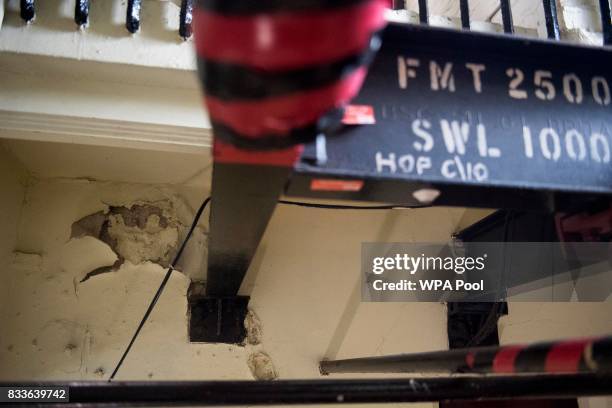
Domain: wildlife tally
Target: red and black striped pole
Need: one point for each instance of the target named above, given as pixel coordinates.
(275, 74)
(592, 355)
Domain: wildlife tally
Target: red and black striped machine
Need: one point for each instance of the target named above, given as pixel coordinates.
(323, 99)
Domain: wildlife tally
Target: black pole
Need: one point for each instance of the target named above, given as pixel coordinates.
(506, 11)
(552, 19)
(186, 17)
(606, 24)
(27, 10)
(216, 393)
(438, 361)
(582, 355)
(132, 19)
(464, 8)
(81, 12)
(244, 198)
(423, 12)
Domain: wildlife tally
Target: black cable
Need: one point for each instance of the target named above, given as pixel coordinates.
(162, 286)
(349, 207)
(190, 232)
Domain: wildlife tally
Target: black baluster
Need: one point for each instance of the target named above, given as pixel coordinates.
(27, 11)
(185, 27)
(606, 25)
(552, 19)
(81, 12)
(506, 12)
(132, 21)
(464, 7)
(423, 13)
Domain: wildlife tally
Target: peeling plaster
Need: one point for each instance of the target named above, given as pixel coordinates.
(57, 326)
(261, 366)
(99, 255)
(138, 232)
(253, 328)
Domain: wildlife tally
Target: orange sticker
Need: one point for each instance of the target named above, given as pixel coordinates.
(359, 115)
(336, 185)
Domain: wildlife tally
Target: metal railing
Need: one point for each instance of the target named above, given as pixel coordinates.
(550, 16)
(132, 18)
(328, 392)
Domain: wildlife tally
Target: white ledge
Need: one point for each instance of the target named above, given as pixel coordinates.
(103, 132)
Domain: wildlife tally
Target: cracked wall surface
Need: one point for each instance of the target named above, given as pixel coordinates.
(60, 325)
(57, 326)
(303, 282)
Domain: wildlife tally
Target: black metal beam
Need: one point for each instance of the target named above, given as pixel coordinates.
(81, 12)
(506, 12)
(243, 199)
(423, 12)
(132, 19)
(464, 8)
(216, 393)
(606, 23)
(552, 19)
(383, 156)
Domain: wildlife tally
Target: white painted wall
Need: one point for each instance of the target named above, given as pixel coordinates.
(54, 160)
(13, 180)
(38, 84)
